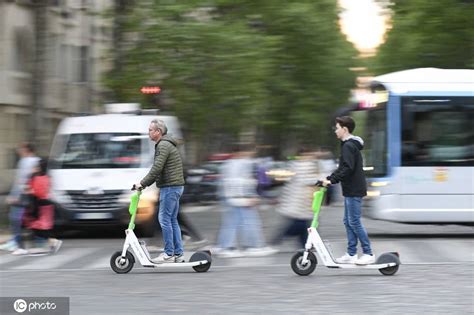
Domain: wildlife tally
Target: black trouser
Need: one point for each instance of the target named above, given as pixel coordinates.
(35, 235)
(293, 227)
(187, 228)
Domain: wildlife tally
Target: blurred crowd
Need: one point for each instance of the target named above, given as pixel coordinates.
(245, 182)
(238, 182)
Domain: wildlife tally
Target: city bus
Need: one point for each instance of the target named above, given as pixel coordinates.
(419, 146)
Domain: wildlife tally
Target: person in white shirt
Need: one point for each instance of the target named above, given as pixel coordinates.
(239, 190)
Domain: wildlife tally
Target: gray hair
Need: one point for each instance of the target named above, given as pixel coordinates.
(160, 125)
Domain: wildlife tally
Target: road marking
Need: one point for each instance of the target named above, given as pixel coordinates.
(279, 265)
(5, 259)
(456, 250)
(102, 262)
(55, 261)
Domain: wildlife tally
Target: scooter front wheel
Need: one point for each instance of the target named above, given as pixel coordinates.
(120, 265)
(303, 269)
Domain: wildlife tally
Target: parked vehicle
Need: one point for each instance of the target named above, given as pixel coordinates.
(202, 183)
(91, 159)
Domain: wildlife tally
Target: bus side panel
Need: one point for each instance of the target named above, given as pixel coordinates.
(435, 194)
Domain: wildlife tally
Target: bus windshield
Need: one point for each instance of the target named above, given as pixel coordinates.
(97, 150)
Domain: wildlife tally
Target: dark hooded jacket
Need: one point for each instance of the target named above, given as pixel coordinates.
(167, 169)
(350, 172)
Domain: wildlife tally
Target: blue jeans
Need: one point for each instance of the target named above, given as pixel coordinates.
(354, 228)
(16, 218)
(245, 219)
(168, 217)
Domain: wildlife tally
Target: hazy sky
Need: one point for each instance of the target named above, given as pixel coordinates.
(362, 23)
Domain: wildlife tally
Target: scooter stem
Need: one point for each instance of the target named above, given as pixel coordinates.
(132, 209)
(317, 200)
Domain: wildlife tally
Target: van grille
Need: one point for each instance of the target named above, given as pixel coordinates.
(107, 200)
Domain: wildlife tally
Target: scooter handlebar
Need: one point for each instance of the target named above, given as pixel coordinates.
(134, 187)
(319, 183)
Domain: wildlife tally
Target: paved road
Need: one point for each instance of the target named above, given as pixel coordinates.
(437, 275)
(251, 289)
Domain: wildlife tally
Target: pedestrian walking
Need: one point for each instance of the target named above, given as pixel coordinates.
(240, 199)
(296, 199)
(16, 199)
(38, 216)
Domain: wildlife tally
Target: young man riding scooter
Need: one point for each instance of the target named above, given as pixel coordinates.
(351, 175)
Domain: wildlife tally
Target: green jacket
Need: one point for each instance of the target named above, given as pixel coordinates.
(167, 169)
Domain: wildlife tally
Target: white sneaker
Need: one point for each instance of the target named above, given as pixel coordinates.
(365, 260)
(228, 253)
(163, 258)
(347, 259)
(260, 251)
(20, 251)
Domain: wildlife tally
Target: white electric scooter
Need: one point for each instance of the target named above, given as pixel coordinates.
(122, 262)
(304, 262)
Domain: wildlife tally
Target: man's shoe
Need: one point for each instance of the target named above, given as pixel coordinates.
(347, 259)
(54, 245)
(365, 260)
(179, 258)
(163, 258)
(20, 251)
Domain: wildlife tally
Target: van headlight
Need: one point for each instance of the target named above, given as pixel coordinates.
(125, 196)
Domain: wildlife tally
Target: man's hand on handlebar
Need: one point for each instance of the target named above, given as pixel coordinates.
(326, 182)
(138, 187)
(323, 183)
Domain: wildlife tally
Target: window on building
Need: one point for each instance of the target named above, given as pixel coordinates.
(22, 50)
(84, 64)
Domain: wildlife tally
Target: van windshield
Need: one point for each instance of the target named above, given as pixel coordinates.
(98, 150)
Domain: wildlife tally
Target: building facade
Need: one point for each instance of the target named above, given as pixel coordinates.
(52, 58)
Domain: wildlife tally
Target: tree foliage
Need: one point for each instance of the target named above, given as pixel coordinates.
(428, 33)
(274, 67)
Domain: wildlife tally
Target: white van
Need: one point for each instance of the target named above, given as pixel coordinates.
(94, 162)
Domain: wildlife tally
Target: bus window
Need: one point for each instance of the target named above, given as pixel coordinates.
(437, 131)
(375, 141)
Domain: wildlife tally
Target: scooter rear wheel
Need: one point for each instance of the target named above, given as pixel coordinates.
(197, 256)
(303, 269)
(122, 267)
(387, 258)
